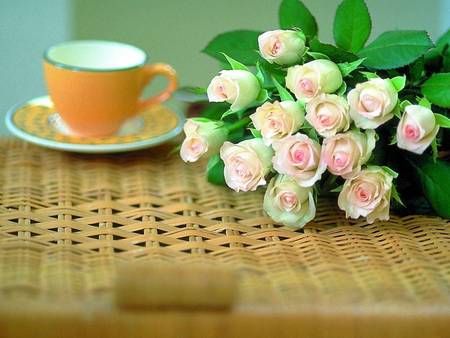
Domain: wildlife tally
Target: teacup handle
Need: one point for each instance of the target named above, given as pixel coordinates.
(150, 71)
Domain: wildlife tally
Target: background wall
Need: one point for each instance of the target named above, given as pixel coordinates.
(172, 31)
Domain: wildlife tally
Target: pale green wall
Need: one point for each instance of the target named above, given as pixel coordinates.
(173, 31)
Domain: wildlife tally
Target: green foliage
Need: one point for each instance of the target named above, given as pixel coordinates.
(191, 94)
(352, 25)
(399, 82)
(334, 53)
(442, 120)
(435, 182)
(236, 65)
(437, 89)
(395, 49)
(241, 45)
(294, 14)
(347, 67)
(214, 170)
(284, 93)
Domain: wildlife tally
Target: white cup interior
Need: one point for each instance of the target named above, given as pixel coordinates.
(96, 55)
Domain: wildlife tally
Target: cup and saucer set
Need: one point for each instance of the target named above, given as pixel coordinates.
(94, 103)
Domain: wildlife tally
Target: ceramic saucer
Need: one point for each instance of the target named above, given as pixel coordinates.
(36, 121)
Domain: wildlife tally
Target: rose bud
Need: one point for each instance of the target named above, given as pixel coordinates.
(344, 154)
(372, 103)
(288, 203)
(367, 194)
(328, 114)
(246, 164)
(283, 47)
(417, 129)
(237, 87)
(313, 78)
(202, 138)
(298, 156)
(277, 120)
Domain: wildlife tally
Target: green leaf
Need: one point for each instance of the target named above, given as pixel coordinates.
(214, 170)
(397, 111)
(404, 104)
(337, 189)
(352, 25)
(395, 49)
(334, 53)
(391, 172)
(255, 132)
(318, 56)
(240, 45)
(370, 75)
(434, 178)
(342, 89)
(437, 89)
(424, 103)
(399, 82)
(393, 140)
(294, 14)
(442, 120)
(443, 42)
(215, 110)
(284, 93)
(236, 65)
(346, 68)
(191, 94)
(396, 196)
(434, 150)
(417, 70)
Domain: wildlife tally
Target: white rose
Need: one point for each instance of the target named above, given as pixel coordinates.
(344, 154)
(328, 114)
(372, 103)
(237, 87)
(313, 78)
(283, 47)
(277, 120)
(202, 138)
(246, 164)
(367, 194)
(298, 156)
(288, 203)
(417, 129)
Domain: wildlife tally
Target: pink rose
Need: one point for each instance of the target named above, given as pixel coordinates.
(246, 164)
(298, 156)
(277, 120)
(283, 47)
(328, 114)
(417, 129)
(344, 154)
(288, 203)
(237, 87)
(313, 78)
(372, 103)
(203, 137)
(367, 194)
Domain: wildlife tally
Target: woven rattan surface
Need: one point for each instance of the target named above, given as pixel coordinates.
(67, 221)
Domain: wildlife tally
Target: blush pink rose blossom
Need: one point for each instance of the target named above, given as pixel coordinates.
(367, 194)
(298, 156)
(283, 47)
(417, 129)
(344, 154)
(246, 164)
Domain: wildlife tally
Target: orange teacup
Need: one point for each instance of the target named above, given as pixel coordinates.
(95, 85)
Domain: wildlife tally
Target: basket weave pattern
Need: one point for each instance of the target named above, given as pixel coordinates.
(66, 221)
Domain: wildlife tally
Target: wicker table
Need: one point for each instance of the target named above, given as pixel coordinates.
(68, 221)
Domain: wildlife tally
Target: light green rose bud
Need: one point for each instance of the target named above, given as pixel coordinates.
(313, 78)
(288, 203)
(283, 47)
(237, 87)
(203, 138)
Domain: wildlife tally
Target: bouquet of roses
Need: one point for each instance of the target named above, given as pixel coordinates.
(304, 118)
